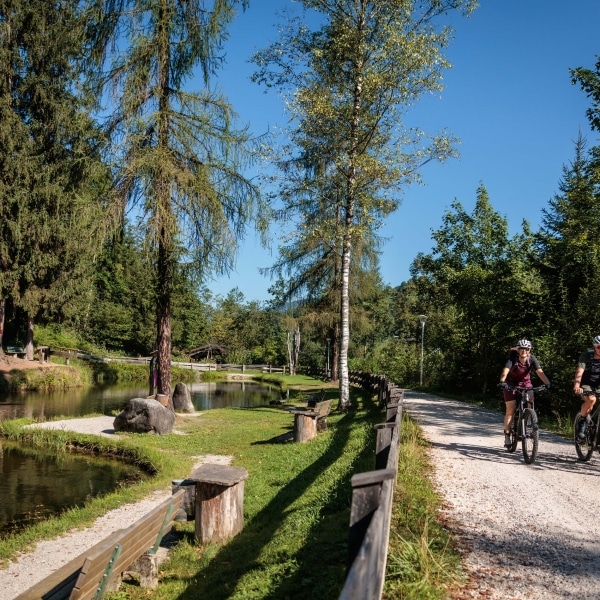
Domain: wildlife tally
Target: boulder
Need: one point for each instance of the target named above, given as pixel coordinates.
(182, 399)
(145, 415)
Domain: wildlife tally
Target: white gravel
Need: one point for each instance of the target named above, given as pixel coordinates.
(49, 555)
(528, 531)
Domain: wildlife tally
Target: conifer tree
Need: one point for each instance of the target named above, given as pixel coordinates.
(181, 158)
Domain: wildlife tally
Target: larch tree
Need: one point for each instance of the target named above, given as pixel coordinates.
(350, 78)
(181, 159)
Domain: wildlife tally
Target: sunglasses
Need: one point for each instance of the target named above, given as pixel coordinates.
(524, 349)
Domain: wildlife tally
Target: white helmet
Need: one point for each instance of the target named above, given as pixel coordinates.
(527, 344)
(596, 341)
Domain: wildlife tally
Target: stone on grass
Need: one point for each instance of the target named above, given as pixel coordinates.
(145, 415)
(182, 399)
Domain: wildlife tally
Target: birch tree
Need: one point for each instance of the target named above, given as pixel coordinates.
(351, 69)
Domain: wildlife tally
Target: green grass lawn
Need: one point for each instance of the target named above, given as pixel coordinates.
(296, 505)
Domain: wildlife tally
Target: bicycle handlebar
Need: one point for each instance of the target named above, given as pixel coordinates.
(519, 388)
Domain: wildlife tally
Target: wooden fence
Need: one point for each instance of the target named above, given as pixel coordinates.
(70, 353)
(372, 496)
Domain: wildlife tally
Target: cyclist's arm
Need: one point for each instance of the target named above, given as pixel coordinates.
(542, 376)
(504, 374)
(577, 381)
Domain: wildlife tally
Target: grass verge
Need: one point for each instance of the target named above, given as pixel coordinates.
(296, 505)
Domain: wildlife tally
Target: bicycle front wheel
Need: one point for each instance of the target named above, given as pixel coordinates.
(584, 447)
(531, 438)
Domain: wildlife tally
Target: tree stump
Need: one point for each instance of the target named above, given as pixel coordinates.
(219, 502)
(305, 427)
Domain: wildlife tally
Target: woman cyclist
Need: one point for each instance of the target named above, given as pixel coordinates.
(516, 372)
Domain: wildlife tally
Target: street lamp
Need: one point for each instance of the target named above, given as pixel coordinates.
(422, 318)
(328, 373)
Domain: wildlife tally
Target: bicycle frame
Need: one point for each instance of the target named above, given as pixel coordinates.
(585, 446)
(524, 422)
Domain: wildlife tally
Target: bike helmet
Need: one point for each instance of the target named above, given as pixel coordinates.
(527, 344)
(596, 341)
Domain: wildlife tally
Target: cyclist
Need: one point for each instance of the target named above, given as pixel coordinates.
(517, 372)
(587, 379)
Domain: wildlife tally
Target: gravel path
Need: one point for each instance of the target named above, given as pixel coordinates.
(528, 531)
(49, 555)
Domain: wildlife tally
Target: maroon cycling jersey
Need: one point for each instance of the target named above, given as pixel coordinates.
(520, 373)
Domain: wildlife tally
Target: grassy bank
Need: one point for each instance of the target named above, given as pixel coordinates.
(296, 505)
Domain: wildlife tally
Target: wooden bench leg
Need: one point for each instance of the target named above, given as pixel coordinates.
(146, 566)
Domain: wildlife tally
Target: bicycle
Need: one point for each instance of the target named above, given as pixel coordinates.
(524, 423)
(585, 447)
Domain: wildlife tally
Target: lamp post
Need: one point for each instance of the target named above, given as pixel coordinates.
(422, 318)
(328, 372)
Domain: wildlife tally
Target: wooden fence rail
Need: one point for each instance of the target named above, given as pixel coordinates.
(372, 496)
(71, 353)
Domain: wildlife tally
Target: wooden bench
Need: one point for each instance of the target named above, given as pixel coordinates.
(17, 351)
(314, 399)
(308, 422)
(100, 568)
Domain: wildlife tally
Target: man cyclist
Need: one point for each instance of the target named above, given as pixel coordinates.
(517, 372)
(587, 379)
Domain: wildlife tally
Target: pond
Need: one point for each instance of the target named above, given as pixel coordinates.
(34, 485)
(106, 400)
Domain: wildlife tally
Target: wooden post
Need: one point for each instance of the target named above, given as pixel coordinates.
(366, 494)
(219, 502)
(382, 447)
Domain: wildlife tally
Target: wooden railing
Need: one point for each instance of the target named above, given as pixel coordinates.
(71, 353)
(372, 495)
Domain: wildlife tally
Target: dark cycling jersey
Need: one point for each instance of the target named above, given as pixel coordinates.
(519, 373)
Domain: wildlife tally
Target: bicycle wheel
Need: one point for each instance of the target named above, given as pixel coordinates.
(531, 439)
(513, 434)
(584, 447)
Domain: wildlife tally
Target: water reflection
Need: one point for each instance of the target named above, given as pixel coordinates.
(78, 402)
(34, 485)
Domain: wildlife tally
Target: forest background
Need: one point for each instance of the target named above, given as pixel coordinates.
(86, 273)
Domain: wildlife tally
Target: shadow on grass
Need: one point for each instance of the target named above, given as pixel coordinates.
(317, 568)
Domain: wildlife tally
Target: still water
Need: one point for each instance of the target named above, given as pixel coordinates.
(112, 399)
(34, 486)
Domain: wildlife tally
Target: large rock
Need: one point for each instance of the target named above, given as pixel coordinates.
(145, 415)
(182, 399)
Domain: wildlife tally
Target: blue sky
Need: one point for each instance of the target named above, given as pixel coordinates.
(508, 98)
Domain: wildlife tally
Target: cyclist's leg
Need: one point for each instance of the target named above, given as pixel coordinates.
(509, 407)
(588, 401)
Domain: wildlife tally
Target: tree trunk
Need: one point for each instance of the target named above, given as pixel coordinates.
(29, 339)
(2, 314)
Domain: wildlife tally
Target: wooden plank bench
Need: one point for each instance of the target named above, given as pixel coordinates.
(314, 399)
(100, 568)
(16, 351)
(308, 422)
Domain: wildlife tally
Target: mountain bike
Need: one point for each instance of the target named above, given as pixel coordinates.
(585, 447)
(524, 423)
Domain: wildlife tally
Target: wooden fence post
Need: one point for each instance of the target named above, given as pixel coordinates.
(366, 494)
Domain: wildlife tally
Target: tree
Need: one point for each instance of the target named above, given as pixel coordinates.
(52, 174)
(351, 77)
(481, 290)
(181, 156)
(568, 256)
